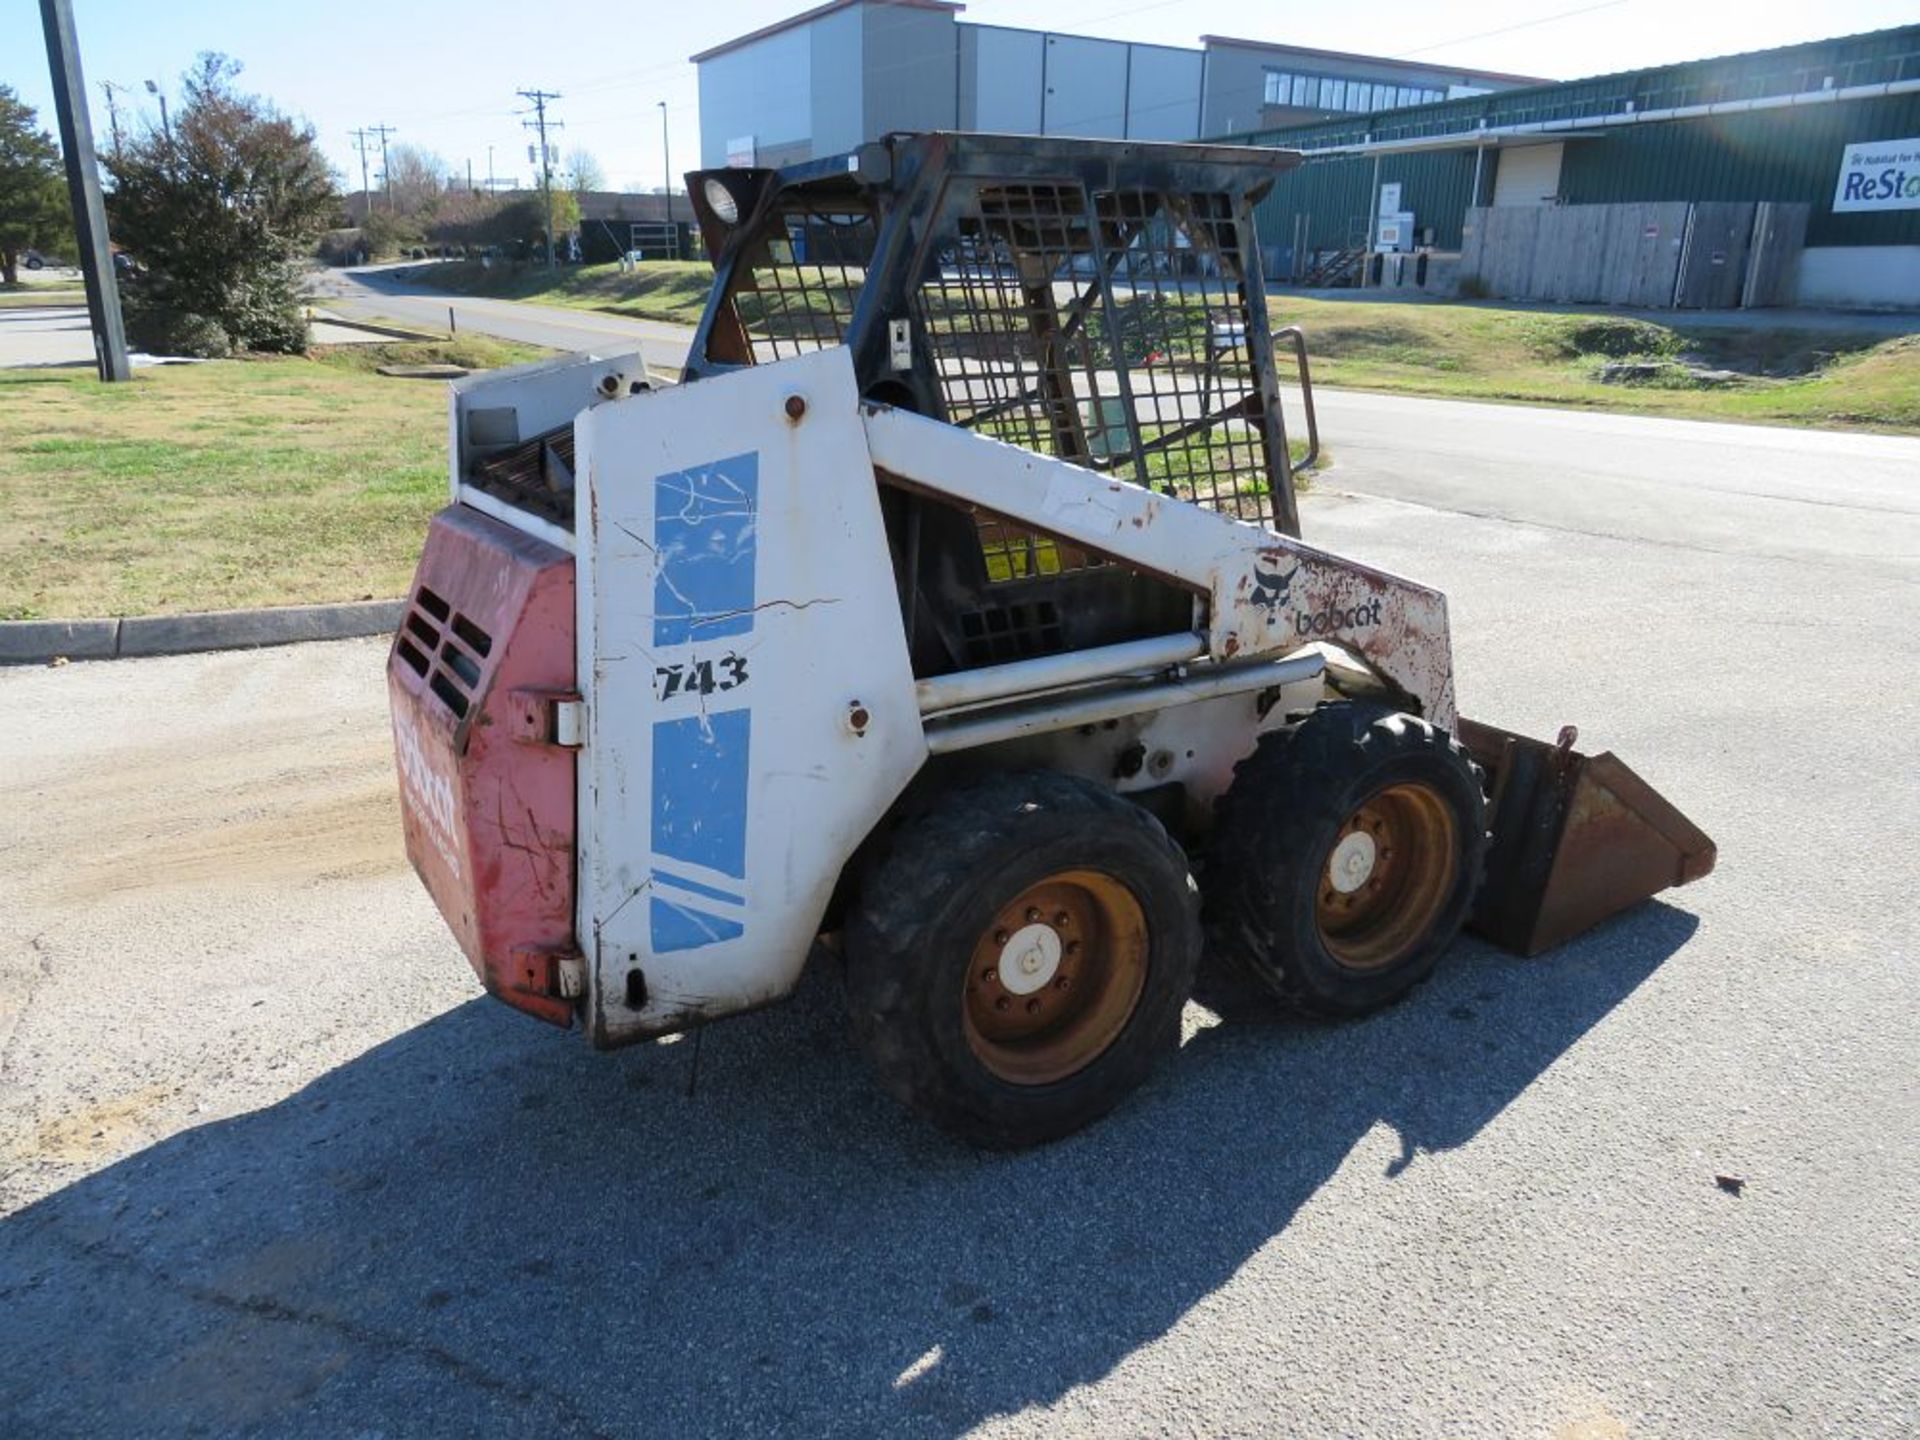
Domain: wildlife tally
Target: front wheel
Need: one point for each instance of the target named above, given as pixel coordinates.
(1347, 854)
(1019, 958)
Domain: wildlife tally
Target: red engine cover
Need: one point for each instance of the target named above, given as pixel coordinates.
(487, 798)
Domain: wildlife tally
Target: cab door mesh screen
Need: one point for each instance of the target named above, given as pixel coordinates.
(797, 291)
(1106, 330)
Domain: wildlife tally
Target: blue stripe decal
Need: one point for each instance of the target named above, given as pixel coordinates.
(703, 538)
(700, 790)
(682, 927)
(662, 877)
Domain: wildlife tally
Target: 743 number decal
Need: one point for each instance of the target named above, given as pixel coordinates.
(700, 677)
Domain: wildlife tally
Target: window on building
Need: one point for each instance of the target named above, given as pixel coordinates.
(1292, 90)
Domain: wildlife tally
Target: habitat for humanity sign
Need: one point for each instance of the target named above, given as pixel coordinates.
(1879, 175)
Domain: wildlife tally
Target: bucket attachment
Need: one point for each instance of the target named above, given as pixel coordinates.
(1576, 838)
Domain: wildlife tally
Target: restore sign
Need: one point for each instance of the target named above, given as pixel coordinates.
(1879, 175)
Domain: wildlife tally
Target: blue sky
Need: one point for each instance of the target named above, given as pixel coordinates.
(444, 74)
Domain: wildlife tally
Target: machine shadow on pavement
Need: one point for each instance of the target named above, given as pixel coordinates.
(480, 1226)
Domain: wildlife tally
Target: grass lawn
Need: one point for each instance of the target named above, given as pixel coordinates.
(671, 290)
(1469, 351)
(22, 297)
(238, 483)
(1489, 351)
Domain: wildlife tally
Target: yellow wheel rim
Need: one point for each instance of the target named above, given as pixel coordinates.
(1386, 877)
(1055, 976)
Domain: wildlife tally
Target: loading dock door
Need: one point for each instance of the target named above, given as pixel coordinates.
(1527, 175)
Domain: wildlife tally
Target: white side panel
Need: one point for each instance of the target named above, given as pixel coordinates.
(497, 409)
(737, 609)
(1268, 594)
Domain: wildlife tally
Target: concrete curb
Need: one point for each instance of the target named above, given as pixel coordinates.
(370, 328)
(34, 642)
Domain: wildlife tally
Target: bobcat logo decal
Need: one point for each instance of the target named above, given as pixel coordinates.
(1272, 588)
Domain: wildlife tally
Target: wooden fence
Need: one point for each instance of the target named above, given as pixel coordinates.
(1679, 254)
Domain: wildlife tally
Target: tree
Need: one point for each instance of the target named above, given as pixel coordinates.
(219, 212)
(414, 182)
(586, 170)
(34, 212)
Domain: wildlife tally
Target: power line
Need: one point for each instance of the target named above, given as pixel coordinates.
(542, 124)
(1509, 29)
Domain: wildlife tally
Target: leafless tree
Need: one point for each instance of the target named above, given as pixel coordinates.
(586, 170)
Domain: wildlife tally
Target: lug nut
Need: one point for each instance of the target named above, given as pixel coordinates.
(1060, 982)
(1061, 918)
(1033, 1007)
(990, 976)
(1073, 947)
(1033, 914)
(999, 937)
(1002, 1003)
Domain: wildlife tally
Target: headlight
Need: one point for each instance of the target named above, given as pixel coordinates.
(720, 200)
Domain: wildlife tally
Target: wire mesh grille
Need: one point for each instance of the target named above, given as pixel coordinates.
(798, 291)
(1109, 331)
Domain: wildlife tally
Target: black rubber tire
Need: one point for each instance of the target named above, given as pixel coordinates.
(926, 901)
(1275, 828)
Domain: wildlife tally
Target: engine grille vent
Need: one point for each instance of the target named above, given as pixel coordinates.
(997, 633)
(444, 648)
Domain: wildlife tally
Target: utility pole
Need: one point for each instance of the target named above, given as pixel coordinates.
(107, 87)
(83, 186)
(166, 125)
(666, 160)
(542, 124)
(489, 169)
(366, 194)
(386, 180)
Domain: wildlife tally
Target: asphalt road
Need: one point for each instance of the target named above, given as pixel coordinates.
(375, 292)
(36, 335)
(269, 1164)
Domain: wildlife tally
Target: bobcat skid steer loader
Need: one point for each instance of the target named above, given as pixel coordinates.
(949, 605)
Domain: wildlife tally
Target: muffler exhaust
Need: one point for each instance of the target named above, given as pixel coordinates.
(1576, 838)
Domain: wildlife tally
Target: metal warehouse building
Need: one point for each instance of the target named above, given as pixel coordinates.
(1814, 149)
(826, 80)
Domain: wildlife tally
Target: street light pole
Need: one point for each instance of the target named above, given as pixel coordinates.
(666, 160)
(166, 125)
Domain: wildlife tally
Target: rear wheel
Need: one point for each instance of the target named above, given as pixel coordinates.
(1347, 855)
(1019, 959)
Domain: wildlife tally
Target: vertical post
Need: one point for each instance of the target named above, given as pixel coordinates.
(366, 191)
(540, 99)
(666, 160)
(83, 186)
(107, 87)
(1373, 222)
(386, 175)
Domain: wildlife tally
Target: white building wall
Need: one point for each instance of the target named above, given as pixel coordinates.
(1859, 277)
(838, 60)
(1000, 79)
(1163, 94)
(1086, 87)
(764, 90)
